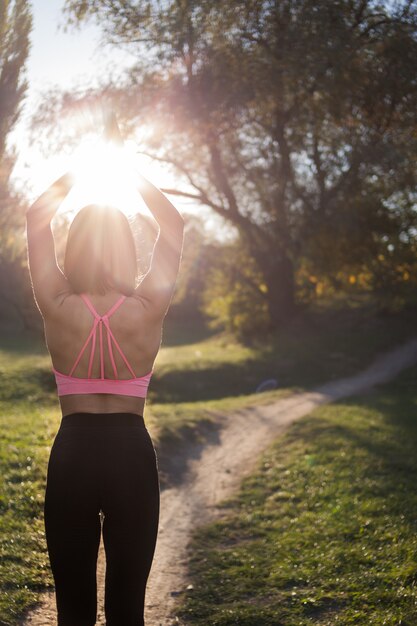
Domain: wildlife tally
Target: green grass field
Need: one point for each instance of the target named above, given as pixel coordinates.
(325, 531)
(197, 376)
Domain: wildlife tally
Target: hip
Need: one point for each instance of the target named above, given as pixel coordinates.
(110, 452)
(102, 434)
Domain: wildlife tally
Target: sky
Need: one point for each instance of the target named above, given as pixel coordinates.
(66, 60)
(61, 57)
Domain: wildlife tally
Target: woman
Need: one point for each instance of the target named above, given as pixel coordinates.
(103, 334)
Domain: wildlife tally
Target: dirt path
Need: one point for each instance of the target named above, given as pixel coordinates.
(211, 472)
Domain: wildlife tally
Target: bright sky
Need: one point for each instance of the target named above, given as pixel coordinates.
(59, 57)
(67, 60)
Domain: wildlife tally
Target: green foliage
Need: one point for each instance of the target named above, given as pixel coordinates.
(15, 27)
(394, 274)
(235, 294)
(198, 255)
(325, 531)
(221, 283)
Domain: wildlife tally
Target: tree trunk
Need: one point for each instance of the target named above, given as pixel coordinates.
(279, 278)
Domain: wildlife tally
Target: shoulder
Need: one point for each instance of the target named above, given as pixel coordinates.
(52, 307)
(65, 305)
(69, 306)
(142, 306)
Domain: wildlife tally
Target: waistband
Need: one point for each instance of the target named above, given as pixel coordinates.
(102, 420)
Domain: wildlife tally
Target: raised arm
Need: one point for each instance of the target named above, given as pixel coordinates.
(48, 281)
(157, 287)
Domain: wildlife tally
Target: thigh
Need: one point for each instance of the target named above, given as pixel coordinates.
(130, 526)
(72, 488)
(131, 497)
(73, 528)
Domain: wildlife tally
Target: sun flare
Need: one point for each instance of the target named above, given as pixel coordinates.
(105, 173)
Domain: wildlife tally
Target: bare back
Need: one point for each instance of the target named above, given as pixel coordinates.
(136, 324)
(67, 326)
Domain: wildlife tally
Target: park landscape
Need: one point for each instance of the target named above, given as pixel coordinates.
(290, 127)
(321, 531)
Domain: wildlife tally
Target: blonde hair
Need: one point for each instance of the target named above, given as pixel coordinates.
(100, 254)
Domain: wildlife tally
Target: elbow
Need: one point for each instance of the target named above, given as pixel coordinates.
(181, 225)
(31, 212)
(178, 218)
(29, 217)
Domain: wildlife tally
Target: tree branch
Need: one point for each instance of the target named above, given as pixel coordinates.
(319, 169)
(200, 198)
(343, 178)
(221, 180)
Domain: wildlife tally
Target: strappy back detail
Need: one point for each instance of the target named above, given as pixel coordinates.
(67, 383)
(100, 320)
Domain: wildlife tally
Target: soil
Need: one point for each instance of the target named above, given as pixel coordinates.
(199, 475)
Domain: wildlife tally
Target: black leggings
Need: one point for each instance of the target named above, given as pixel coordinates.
(101, 462)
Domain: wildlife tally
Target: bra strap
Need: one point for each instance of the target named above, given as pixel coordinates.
(93, 347)
(116, 375)
(92, 333)
(90, 306)
(109, 312)
(98, 321)
(119, 349)
(115, 306)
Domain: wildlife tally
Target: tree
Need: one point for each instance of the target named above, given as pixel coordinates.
(234, 296)
(292, 119)
(15, 27)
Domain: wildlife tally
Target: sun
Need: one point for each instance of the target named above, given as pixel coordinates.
(105, 173)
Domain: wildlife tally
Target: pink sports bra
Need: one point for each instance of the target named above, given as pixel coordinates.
(69, 384)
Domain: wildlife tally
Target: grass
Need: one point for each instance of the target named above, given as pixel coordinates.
(325, 531)
(320, 345)
(196, 379)
(26, 435)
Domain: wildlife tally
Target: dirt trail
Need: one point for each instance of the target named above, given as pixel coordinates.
(213, 471)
